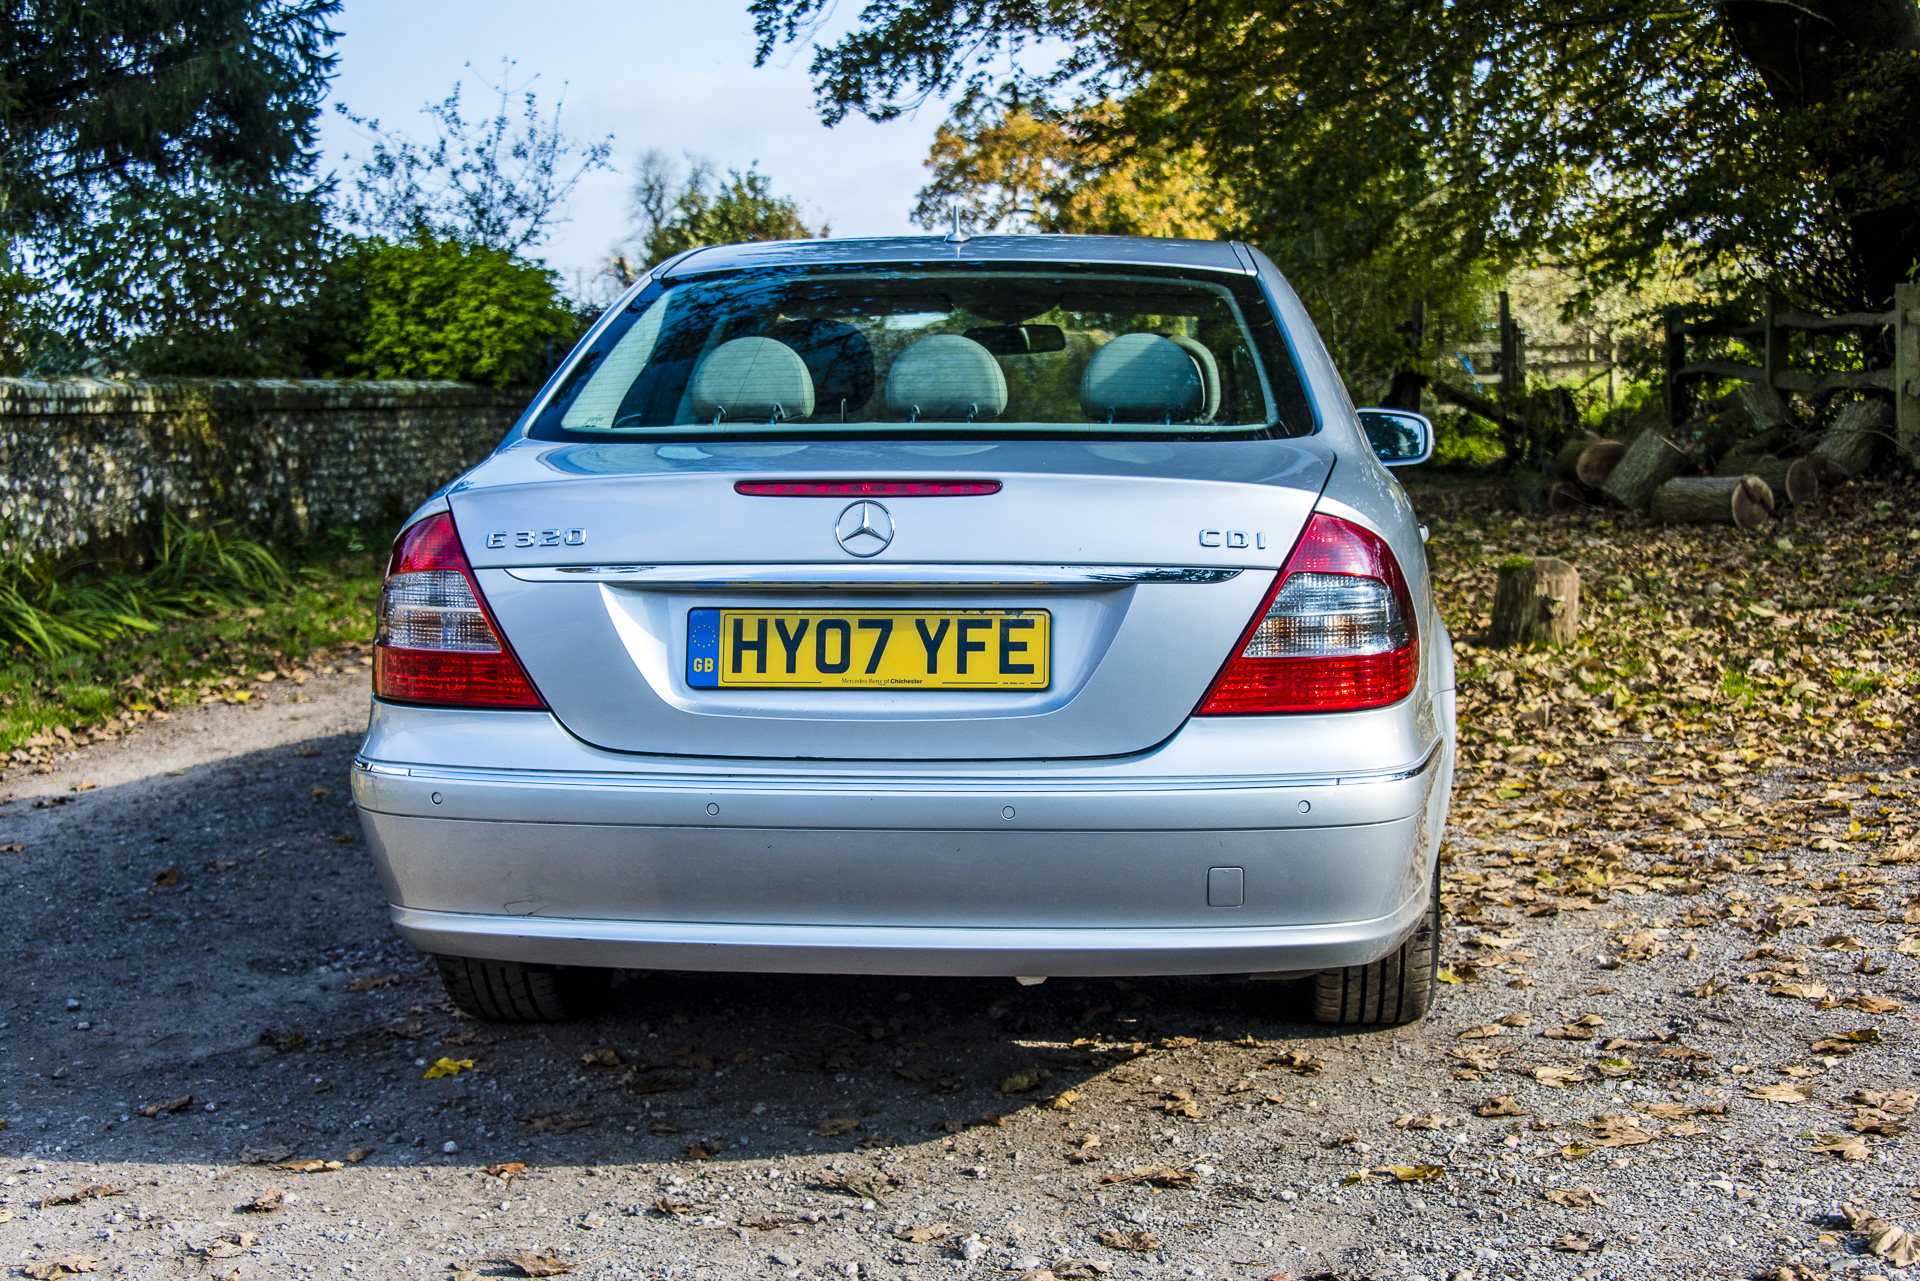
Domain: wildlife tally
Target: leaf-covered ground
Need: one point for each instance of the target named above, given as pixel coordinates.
(1683, 938)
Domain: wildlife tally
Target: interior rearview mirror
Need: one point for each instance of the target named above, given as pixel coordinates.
(1400, 438)
(1019, 340)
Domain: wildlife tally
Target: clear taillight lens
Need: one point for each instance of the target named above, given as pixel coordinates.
(1336, 633)
(435, 643)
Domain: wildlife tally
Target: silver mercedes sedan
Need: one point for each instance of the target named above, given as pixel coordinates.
(1020, 606)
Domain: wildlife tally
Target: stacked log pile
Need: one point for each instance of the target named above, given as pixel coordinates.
(1761, 461)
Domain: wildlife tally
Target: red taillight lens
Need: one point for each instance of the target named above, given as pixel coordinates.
(436, 642)
(1335, 634)
(865, 488)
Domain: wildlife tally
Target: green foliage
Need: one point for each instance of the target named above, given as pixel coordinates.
(676, 211)
(208, 276)
(153, 91)
(451, 309)
(55, 609)
(324, 604)
(1604, 134)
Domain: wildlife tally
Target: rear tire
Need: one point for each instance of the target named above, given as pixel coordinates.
(1397, 988)
(506, 992)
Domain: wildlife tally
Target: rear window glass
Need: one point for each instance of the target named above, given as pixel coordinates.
(930, 351)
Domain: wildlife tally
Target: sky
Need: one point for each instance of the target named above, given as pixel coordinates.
(676, 76)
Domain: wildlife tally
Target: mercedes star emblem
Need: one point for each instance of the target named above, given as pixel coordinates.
(864, 529)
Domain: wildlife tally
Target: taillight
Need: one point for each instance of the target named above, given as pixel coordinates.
(436, 643)
(1335, 633)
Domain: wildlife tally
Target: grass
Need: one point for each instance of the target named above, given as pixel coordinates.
(92, 650)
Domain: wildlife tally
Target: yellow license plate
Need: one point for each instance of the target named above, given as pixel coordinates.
(869, 649)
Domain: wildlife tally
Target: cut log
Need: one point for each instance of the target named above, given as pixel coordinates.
(1765, 406)
(1536, 602)
(1859, 433)
(1597, 462)
(1746, 501)
(1565, 496)
(1650, 461)
(1566, 462)
(1795, 479)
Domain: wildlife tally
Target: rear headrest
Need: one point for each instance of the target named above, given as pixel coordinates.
(1209, 374)
(1141, 378)
(946, 378)
(838, 356)
(752, 380)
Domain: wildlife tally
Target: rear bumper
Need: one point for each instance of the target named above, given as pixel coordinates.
(925, 950)
(1108, 867)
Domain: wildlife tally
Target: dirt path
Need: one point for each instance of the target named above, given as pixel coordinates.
(199, 934)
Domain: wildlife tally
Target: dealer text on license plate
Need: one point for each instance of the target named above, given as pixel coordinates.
(869, 649)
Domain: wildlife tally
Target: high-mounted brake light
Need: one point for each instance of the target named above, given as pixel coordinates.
(865, 488)
(436, 642)
(1335, 633)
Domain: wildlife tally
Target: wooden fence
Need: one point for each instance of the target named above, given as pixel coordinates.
(1768, 337)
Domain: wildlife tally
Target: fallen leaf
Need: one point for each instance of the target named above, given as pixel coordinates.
(1018, 1082)
(1064, 1101)
(266, 1203)
(834, 1126)
(1435, 1122)
(310, 1165)
(166, 878)
(1297, 1061)
(867, 1187)
(529, 1264)
(1159, 1176)
(1900, 1101)
(602, 1057)
(1480, 1032)
(87, 1193)
(1848, 1147)
(1577, 1243)
(506, 1169)
(180, 1104)
(267, 1154)
(1580, 1198)
(1412, 1173)
(1799, 991)
(1781, 1092)
(65, 1265)
(372, 982)
(925, 1232)
(1557, 1078)
(356, 1155)
(1500, 1105)
(1889, 1241)
(231, 1245)
(445, 1067)
(1140, 1242)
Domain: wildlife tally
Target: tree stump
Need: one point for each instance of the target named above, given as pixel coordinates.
(1795, 479)
(1650, 461)
(1859, 433)
(1536, 602)
(1565, 496)
(1746, 501)
(1597, 462)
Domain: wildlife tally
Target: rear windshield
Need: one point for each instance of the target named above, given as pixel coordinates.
(926, 350)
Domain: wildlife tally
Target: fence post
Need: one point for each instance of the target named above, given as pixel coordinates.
(1676, 358)
(1906, 368)
(1773, 340)
(1507, 360)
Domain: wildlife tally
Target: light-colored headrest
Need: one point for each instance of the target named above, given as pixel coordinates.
(1209, 374)
(1141, 378)
(946, 378)
(752, 380)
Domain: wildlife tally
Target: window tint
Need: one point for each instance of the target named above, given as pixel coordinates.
(925, 350)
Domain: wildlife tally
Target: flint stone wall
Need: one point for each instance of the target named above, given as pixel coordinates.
(87, 463)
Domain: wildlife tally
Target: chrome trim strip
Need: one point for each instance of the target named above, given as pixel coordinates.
(747, 578)
(877, 782)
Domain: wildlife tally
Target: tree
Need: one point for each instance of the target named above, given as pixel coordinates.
(453, 309)
(208, 276)
(159, 91)
(1781, 137)
(492, 181)
(676, 210)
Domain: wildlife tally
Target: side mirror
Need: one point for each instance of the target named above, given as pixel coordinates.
(1399, 437)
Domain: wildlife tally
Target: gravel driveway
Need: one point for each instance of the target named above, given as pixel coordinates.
(209, 1013)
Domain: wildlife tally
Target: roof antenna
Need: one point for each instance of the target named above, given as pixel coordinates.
(957, 236)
